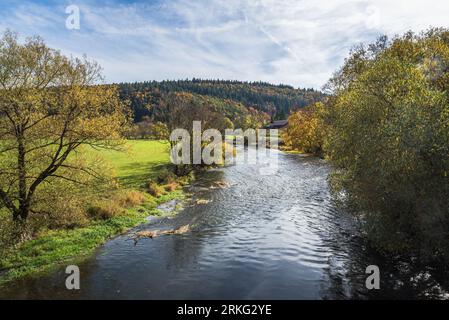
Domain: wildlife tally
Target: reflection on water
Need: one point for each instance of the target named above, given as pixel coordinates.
(261, 237)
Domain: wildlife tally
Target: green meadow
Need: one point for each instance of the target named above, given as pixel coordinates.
(140, 161)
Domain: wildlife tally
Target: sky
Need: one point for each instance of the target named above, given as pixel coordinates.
(295, 42)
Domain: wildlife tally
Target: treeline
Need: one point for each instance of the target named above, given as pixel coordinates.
(227, 114)
(385, 130)
(276, 100)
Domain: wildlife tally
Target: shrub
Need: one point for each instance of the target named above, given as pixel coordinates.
(154, 189)
(61, 204)
(63, 215)
(306, 130)
(130, 198)
(105, 209)
(7, 240)
(171, 187)
(166, 177)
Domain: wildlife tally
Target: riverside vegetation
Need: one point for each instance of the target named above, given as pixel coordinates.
(142, 182)
(385, 129)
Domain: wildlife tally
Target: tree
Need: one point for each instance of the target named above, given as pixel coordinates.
(142, 129)
(388, 140)
(306, 130)
(159, 131)
(182, 110)
(50, 107)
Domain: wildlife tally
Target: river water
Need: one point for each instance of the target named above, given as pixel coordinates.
(275, 236)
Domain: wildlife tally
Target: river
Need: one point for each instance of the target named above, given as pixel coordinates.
(275, 236)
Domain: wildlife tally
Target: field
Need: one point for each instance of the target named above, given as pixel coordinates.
(141, 161)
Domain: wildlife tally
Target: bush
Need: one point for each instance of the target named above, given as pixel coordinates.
(7, 240)
(306, 130)
(105, 209)
(154, 189)
(166, 177)
(129, 198)
(60, 204)
(171, 187)
(63, 215)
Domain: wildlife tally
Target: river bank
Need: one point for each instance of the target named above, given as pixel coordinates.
(49, 249)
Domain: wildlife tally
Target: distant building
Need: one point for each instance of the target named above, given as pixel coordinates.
(279, 124)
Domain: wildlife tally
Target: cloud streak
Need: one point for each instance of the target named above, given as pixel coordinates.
(298, 42)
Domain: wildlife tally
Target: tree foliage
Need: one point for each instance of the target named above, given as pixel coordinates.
(147, 129)
(50, 106)
(306, 130)
(276, 100)
(185, 108)
(388, 139)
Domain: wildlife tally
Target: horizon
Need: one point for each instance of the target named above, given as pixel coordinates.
(251, 82)
(300, 43)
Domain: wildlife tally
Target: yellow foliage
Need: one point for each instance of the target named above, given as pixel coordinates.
(50, 106)
(305, 131)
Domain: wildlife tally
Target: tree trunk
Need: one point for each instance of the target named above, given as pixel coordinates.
(24, 206)
(21, 231)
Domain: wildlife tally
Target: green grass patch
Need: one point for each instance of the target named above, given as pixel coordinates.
(142, 160)
(54, 247)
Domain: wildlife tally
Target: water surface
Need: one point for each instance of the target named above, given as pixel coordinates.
(275, 236)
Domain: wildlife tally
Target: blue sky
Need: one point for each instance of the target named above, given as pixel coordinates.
(297, 42)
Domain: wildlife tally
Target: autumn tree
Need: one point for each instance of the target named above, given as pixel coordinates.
(306, 130)
(50, 107)
(183, 109)
(159, 131)
(389, 140)
(276, 100)
(140, 130)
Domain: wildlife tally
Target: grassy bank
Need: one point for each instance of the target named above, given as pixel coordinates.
(143, 160)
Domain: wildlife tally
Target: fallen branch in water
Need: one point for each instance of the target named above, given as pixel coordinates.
(157, 233)
(220, 185)
(202, 201)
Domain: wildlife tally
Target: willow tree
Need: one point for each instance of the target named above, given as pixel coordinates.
(389, 140)
(50, 106)
(182, 110)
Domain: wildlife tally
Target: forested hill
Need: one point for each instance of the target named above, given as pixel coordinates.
(276, 100)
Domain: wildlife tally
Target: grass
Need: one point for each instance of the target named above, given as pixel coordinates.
(55, 247)
(143, 161)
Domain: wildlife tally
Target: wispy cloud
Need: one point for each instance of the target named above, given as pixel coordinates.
(298, 42)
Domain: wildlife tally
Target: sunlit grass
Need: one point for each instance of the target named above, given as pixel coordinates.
(140, 161)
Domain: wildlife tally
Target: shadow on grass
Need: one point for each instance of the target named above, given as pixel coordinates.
(139, 177)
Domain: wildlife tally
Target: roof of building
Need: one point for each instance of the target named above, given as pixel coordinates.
(277, 124)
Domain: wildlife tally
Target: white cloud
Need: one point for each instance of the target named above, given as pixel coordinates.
(298, 42)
